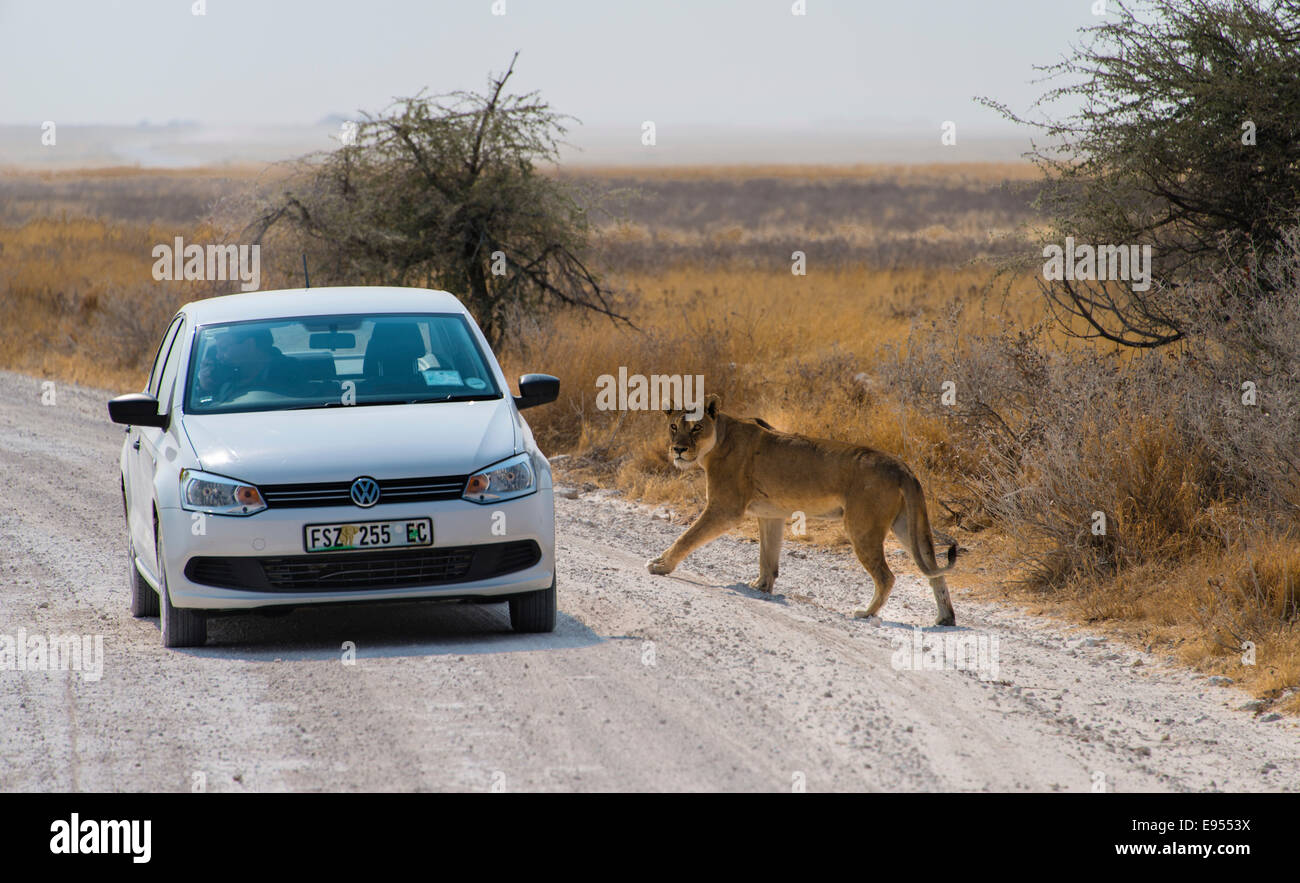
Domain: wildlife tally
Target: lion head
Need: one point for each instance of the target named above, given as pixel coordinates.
(690, 440)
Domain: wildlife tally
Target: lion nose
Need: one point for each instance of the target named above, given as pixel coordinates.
(679, 449)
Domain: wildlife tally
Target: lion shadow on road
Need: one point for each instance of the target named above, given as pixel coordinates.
(910, 626)
(784, 600)
(741, 588)
(382, 630)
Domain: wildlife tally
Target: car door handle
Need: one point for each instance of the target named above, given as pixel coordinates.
(136, 444)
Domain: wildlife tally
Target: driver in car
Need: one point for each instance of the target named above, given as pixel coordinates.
(245, 359)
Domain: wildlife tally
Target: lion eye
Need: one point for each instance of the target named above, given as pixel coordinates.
(672, 428)
(696, 428)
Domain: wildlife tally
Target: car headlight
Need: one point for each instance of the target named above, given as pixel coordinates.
(201, 492)
(504, 481)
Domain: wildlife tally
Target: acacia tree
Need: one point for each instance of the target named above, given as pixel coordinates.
(444, 191)
(1188, 139)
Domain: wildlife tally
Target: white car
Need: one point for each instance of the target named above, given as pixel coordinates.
(332, 445)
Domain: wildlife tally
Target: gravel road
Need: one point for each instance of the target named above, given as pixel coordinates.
(691, 682)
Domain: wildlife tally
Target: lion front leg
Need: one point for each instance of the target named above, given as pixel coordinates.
(711, 524)
(770, 534)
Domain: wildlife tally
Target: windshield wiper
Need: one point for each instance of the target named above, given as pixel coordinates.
(467, 397)
(450, 397)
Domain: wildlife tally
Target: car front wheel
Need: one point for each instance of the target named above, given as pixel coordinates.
(181, 627)
(144, 600)
(534, 611)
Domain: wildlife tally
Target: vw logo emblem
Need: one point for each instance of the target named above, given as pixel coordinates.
(365, 492)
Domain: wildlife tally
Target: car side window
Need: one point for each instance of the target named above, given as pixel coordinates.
(164, 348)
(168, 382)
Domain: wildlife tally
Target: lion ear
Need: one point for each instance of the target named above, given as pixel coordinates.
(711, 405)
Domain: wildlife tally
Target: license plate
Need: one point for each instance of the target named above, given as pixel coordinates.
(368, 535)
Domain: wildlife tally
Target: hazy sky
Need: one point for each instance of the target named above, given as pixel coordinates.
(613, 63)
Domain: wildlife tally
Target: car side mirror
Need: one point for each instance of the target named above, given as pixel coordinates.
(537, 389)
(137, 409)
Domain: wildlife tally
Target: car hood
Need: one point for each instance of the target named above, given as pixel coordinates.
(339, 444)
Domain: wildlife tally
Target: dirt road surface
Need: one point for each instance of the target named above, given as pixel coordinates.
(687, 682)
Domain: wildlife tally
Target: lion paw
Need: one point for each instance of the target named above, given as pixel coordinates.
(658, 566)
(762, 584)
(863, 613)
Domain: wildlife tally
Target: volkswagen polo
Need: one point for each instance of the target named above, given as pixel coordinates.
(332, 445)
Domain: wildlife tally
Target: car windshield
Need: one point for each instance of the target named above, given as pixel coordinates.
(336, 361)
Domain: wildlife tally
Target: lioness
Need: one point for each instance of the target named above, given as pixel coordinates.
(755, 470)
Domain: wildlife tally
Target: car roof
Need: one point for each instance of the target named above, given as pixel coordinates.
(320, 301)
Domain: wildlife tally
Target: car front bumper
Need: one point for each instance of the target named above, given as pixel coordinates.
(278, 534)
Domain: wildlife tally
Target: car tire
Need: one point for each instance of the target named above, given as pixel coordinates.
(144, 600)
(181, 627)
(534, 611)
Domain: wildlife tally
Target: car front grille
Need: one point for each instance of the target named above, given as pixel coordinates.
(371, 570)
(341, 571)
(339, 493)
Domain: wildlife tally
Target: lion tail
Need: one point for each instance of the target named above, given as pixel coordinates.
(918, 531)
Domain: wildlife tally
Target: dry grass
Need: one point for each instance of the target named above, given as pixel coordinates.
(1207, 611)
(119, 194)
(179, 176)
(79, 301)
(1045, 436)
(888, 216)
(762, 340)
(964, 174)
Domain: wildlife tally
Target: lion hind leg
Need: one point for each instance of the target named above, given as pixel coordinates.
(869, 545)
(947, 616)
(942, 600)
